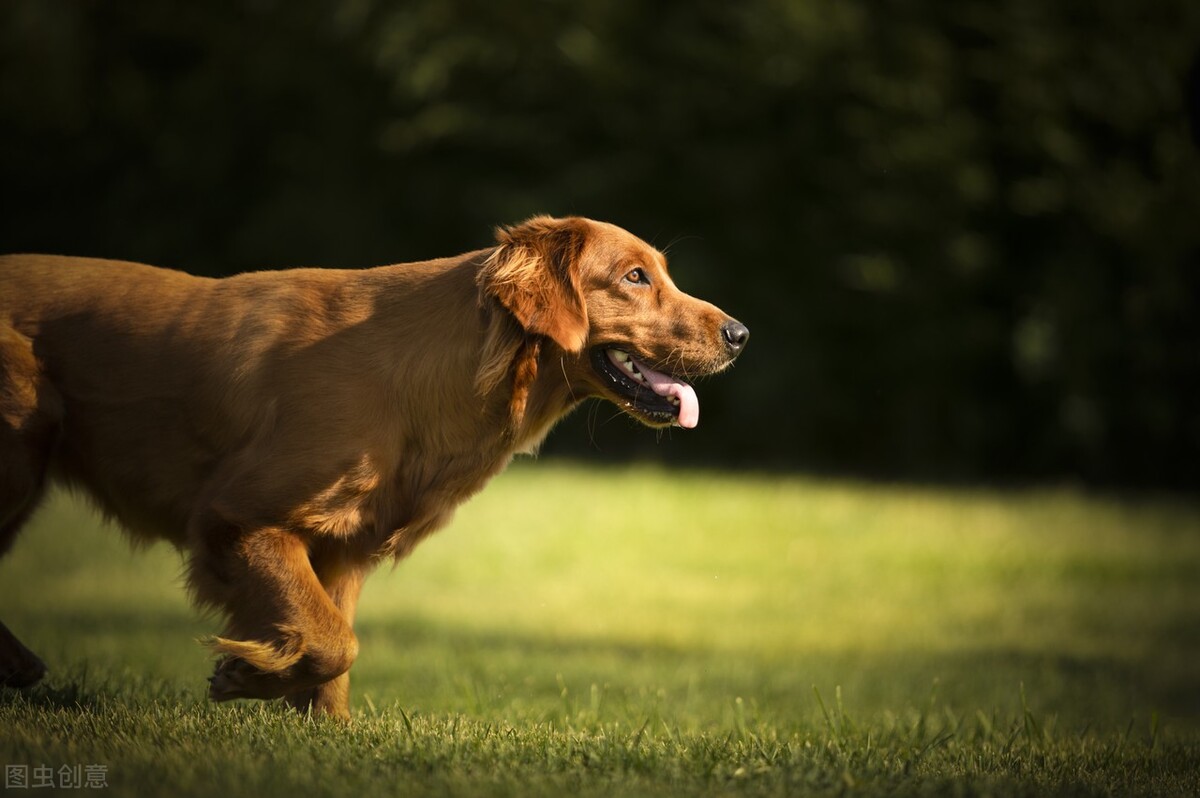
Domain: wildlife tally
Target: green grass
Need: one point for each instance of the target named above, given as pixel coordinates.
(634, 631)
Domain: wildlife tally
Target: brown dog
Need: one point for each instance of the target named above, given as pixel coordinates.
(288, 430)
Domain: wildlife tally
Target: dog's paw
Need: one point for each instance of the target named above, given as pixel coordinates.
(20, 667)
(233, 678)
(236, 678)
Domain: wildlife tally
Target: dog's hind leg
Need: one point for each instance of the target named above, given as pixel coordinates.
(19, 667)
(285, 634)
(30, 417)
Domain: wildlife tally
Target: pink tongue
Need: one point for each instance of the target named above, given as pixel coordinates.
(663, 385)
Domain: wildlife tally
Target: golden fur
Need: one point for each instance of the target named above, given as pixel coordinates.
(288, 430)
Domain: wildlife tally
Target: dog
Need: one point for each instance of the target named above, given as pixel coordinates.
(289, 430)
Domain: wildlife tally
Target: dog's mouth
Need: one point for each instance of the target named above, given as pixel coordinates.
(656, 398)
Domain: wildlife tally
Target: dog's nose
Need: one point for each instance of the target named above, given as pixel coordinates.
(736, 335)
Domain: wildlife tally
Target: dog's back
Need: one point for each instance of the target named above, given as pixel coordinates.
(160, 379)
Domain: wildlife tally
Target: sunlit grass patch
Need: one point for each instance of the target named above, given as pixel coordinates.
(638, 631)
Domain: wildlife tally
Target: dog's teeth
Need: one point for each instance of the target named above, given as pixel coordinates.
(625, 361)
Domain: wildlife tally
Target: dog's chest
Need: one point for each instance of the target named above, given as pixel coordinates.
(427, 497)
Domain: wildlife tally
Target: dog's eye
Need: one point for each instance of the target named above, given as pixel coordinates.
(637, 277)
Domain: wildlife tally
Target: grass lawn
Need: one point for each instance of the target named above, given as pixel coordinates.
(633, 631)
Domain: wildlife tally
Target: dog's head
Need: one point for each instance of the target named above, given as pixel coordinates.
(603, 298)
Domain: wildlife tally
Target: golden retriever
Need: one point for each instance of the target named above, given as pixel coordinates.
(288, 430)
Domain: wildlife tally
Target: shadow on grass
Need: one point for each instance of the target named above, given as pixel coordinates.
(1080, 689)
(79, 692)
(98, 657)
(118, 657)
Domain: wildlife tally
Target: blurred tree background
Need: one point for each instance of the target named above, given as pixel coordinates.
(966, 235)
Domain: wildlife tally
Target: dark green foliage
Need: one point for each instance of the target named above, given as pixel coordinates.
(964, 234)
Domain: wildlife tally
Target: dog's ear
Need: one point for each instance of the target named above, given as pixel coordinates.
(534, 273)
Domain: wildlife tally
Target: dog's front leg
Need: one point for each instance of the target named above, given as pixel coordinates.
(333, 697)
(285, 634)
